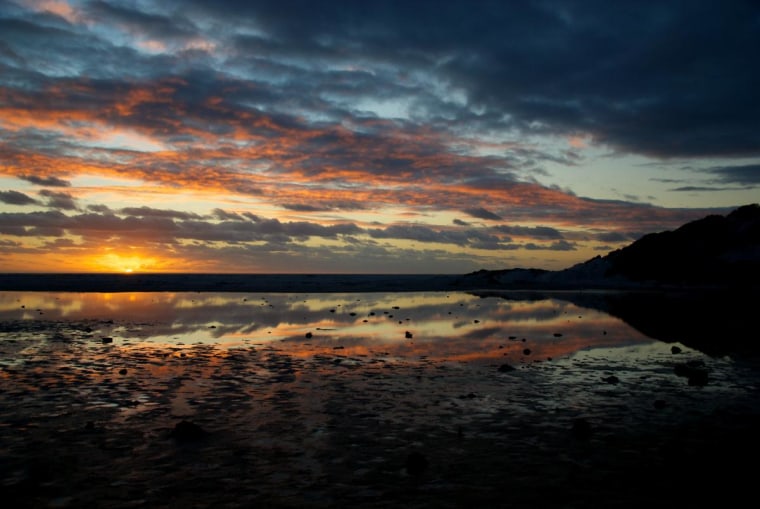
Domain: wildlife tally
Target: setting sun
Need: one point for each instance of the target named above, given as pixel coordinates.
(124, 263)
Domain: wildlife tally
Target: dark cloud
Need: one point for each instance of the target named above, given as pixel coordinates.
(302, 207)
(663, 79)
(421, 107)
(59, 200)
(748, 174)
(539, 232)
(614, 237)
(227, 216)
(16, 198)
(482, 213)
(99, 208)
(151, 212)
(560, 245)
(138, 22)
(45, 181)
(701, 189)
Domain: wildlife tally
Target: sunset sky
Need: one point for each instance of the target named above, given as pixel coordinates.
(367, 137)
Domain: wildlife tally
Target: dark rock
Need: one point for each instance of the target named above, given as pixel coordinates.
(186, 431)
(504, 368)
(123, 371)
(107, 340)
(526, 351)
(309, 335)
(659, 404)
(416, 463)
(675, 350)
(694, 371)
(581, 428)
(612, 379)
(408, 335)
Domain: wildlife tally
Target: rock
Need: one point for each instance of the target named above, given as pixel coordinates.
(659, 404)
(557, 335)
(612, 379)
(309, 335)
(675, 350)
(526, 351)
(416, 463)
(504, 368)
(581, 428)
(694, 371)
(408, 335)
(107, 340)
(123, 371)
(186, 431)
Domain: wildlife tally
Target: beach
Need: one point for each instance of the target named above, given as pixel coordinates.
(486, 402)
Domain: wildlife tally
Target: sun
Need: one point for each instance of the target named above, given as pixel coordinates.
(128, 263)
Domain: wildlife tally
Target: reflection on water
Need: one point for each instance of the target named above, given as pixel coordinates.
(454, 326)
(102, 379)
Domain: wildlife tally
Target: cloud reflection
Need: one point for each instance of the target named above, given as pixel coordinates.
(443, 326)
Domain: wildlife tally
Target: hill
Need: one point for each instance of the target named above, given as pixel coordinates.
(714, 251)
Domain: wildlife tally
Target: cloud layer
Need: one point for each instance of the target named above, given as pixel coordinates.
(359, 136)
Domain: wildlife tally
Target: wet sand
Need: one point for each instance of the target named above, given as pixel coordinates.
(86, 421)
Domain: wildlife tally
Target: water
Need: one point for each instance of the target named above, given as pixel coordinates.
(320, 397)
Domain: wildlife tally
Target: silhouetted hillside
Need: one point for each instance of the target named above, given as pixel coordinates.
(712, 250)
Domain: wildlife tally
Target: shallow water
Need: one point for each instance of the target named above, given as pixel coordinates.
(330, 418)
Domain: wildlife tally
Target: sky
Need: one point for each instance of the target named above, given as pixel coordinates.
(367, 137)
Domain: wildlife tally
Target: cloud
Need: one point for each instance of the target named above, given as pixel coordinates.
(482, 213)
(16, 198)
(707, 189)
(302, 207)
(540, 232)
(748, 174)
(59, 200)
(151, 212)
(360, 118)
(560, 245)
(49, 181)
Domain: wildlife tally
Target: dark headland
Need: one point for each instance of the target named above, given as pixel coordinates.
(713, 252)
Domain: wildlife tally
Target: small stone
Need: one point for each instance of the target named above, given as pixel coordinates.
(408, 335)
(675, 350)
(505, 368)
(581, 428)
(186, 431)
(416, 463)
(107, 340)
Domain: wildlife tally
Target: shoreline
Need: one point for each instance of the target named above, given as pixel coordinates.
(319, 283)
